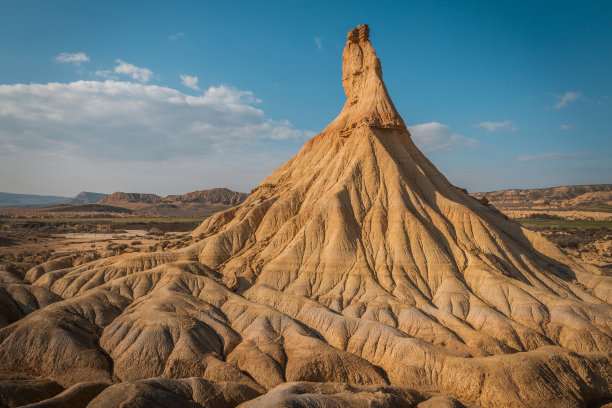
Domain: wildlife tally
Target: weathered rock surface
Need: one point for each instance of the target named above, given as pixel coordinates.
(164, 392)
(16, 391)
(77, 396)
(354, 275)
(334, 395)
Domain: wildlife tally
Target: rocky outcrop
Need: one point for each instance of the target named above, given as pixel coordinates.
(120, 197)
(85, 197)
(212, 196)
(564, 197)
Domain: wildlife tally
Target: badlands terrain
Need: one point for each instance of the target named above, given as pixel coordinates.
(355, 275)
(591, 202)
(578, 219)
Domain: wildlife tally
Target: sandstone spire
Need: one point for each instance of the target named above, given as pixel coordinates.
(367, 100)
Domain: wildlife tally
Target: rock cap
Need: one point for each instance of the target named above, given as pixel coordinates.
(359, 33)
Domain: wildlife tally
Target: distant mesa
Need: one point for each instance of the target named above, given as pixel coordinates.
(199, 203)
(120, 197)
(86, 197)
(213, 196)
(563, 197)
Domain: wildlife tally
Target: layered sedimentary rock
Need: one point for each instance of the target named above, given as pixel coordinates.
(354, 275)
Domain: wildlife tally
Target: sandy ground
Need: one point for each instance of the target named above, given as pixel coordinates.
(23, 246)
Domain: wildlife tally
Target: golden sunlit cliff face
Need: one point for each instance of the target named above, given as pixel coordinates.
(353, 275)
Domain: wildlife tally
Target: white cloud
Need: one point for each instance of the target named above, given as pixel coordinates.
(566, 98)
(176, 36)
(566, 127)
(75, 58)
(550, 155)
(139, 74)
(127, 136)
(434, 136)
(118, 121)
(319, 42)
(495, 126)
(190, 81)
(106, 74)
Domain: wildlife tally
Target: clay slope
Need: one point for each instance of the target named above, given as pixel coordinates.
(354, 275)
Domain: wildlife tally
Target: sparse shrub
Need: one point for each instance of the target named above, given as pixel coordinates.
(155, 231)
(544, 216)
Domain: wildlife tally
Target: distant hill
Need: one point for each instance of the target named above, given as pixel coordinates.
(195, 203)
(10, 200)
(120, 197)
(213, 196)
(86, 197)
(201, 203)
(563, 197)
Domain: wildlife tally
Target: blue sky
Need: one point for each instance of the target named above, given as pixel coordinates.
(170, 97)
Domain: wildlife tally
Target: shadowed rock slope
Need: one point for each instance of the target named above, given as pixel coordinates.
(354, 275)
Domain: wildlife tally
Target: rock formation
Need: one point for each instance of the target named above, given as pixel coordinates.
(353, 275)
(85, 197)
(582, 197)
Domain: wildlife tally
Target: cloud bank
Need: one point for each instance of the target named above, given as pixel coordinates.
(75, 58)
(124, 120)
(496, 126)
(434, 136)
(550, 155)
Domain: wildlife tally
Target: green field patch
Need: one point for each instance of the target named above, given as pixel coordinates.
(529, 222)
